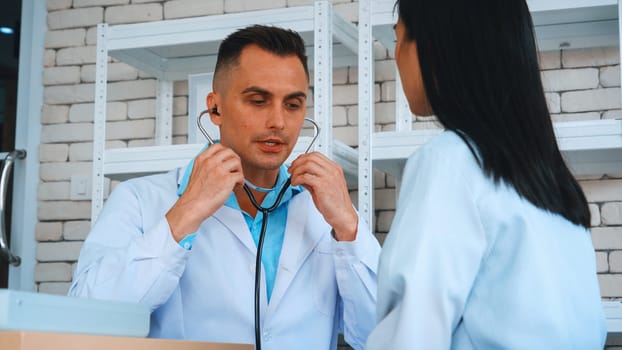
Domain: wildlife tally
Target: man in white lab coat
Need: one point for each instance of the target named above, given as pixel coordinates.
(185, 242)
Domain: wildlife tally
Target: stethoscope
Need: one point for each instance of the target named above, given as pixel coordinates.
(264, 224)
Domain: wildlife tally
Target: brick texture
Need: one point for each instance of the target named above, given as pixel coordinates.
(74, 18)
(134, 13)
(192, 8)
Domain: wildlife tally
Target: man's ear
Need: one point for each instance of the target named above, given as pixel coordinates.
(212, 105)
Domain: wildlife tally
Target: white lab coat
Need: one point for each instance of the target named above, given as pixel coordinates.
(207, 293)
(469, 264)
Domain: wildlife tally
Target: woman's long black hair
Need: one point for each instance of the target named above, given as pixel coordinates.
(479, 64)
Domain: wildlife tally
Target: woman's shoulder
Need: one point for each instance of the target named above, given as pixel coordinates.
(447, 149)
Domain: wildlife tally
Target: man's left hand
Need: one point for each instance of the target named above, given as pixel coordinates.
(324, 179)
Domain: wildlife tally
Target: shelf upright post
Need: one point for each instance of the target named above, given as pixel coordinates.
(620, 40)
(323, 75)
(164, 113)
(403, 116)
(366, 117)
(99, 120)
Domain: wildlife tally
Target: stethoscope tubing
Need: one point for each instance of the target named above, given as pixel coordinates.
(264, 224)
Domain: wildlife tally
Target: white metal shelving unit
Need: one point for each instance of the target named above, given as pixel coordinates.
(173, 49)
(590, 147)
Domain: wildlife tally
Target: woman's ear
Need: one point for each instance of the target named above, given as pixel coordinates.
(212, 105)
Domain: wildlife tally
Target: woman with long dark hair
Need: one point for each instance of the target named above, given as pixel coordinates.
(490, 247)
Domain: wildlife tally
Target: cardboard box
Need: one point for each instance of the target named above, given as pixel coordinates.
(14, 340)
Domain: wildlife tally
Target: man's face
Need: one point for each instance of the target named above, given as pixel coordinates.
(262, 107)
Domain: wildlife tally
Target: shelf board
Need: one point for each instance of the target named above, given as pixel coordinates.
(575, 23)
(172, 49)
(591, 147)
(125, 163)
(558, 24)
(613, 312)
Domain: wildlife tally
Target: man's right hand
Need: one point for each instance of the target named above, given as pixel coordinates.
(214, 174)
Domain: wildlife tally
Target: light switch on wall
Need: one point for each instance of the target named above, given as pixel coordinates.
(82, 187)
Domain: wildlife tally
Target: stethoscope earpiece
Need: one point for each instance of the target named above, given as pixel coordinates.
(316, 127)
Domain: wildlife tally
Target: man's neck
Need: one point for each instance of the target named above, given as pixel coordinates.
(245, 203)
(263, 179)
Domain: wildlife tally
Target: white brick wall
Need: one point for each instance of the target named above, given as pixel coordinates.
(610, 76)
(607, 237)
(346, 134)
(243, 6)
(595, 214)
(61, 75)
(192, 8)
(53, 153)
(58, 4)
(63, 210)
(590, 100)
(554, 102)
(58, 251)
(550, 60)
(180, 105)
(384, 112)
(116, 71)
(602, 262)
(611, 213)
(63, 171)
(141, 109)
(180, 125)
(68, 94)
(76, 55)
(90, 3)
(385, 218)
(64, 38)
(49, 58)
(83, 151)
(66, 132)
(345, 95)
(614, 114)
(340, 116)
(603, 190)
(53, 191)
(140, 129)
(48, 231)
(590, 57)
(570, 79)
(57, 288)
(570, 117)
(615, 262)
(131, 90)
(610, 285)
(387, 91)
(134, 13)
(580, 85)
(85, 17)
(76, 230)
(384, 70)
(53, 272)
(83, 112)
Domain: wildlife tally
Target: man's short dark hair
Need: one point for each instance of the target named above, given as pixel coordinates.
(279, 41)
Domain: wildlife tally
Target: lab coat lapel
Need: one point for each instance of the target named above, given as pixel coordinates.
(305, 228)
(230, 218)
(233, 220)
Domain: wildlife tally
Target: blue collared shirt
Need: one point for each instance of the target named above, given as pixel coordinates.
(275, 231)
